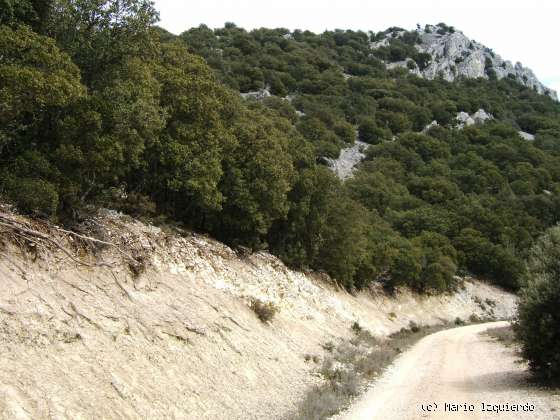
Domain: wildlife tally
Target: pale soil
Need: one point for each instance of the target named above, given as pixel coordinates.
(457, 366)
(178, 341)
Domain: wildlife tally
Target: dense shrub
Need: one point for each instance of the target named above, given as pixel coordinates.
(265, 311)
(538, 324)
(99, 107)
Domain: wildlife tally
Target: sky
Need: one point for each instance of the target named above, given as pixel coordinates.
(518, 30)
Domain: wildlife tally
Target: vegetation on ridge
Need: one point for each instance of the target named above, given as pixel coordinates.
(98, 107)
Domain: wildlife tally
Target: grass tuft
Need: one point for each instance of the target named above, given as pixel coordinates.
(265, 311)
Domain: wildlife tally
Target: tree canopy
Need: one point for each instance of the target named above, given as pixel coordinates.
(99, 107)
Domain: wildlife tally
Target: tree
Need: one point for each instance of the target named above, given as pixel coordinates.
(299, 237)
(344, 239)
(368, 132)
(38, 83)
(437, 263)
(538, 323)
(99, 34)
(406, 265)
(258, 174)
(184, 166)
(13, 12)
(396, 121)
(102, 140)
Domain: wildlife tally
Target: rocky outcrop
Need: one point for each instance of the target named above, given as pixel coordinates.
(433, 124)
(258, 95)
(479, 117)
(454, 55)
(347, 160)
(526, 136)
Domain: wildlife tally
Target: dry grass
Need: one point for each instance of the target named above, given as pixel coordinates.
(351, 365)
(265, 311)
(503, 334)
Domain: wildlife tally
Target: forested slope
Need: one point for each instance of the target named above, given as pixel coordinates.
(99, 107)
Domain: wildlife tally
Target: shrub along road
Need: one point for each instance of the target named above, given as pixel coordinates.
(460, 373)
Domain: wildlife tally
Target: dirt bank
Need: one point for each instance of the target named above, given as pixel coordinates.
(172, 335)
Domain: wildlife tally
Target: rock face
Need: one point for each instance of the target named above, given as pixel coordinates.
(479, 117)
(454, 55)
(347, 160)
(464, 119)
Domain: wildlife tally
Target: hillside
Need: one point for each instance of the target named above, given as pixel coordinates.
(101, 108)
(159, 324)
(186, 218)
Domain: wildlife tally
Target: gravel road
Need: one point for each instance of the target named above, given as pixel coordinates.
(463, 368)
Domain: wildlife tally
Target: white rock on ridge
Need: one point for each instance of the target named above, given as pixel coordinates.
(526, 136)
(479, 117)
(454, 55)
(347, 160)
(464, 119)
(258, 95)
(433, 124)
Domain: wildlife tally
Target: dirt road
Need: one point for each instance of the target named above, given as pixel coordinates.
(460, 369)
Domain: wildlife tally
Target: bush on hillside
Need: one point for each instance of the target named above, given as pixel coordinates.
(538, 325)
(265, 311)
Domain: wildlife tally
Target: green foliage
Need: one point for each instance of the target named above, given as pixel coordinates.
(99, 34)
(34, 196)
(258, 175)
(368, 132)
(538, 324)
(13, 12)
(185, 163)
(344, 240)
(439, 262)
(38, 83)
(109, 110)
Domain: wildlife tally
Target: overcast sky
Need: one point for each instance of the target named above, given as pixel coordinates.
(518, 30)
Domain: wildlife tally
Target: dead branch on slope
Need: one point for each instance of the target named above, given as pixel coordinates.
(40, 240)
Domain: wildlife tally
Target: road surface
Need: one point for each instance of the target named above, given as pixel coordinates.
(458, 369)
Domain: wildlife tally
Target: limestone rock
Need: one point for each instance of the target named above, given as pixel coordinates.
(464, 119)
(454, 56)
(526, 136)
(347, 160)
(479, 117)
(433, 124)
(258, 95)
